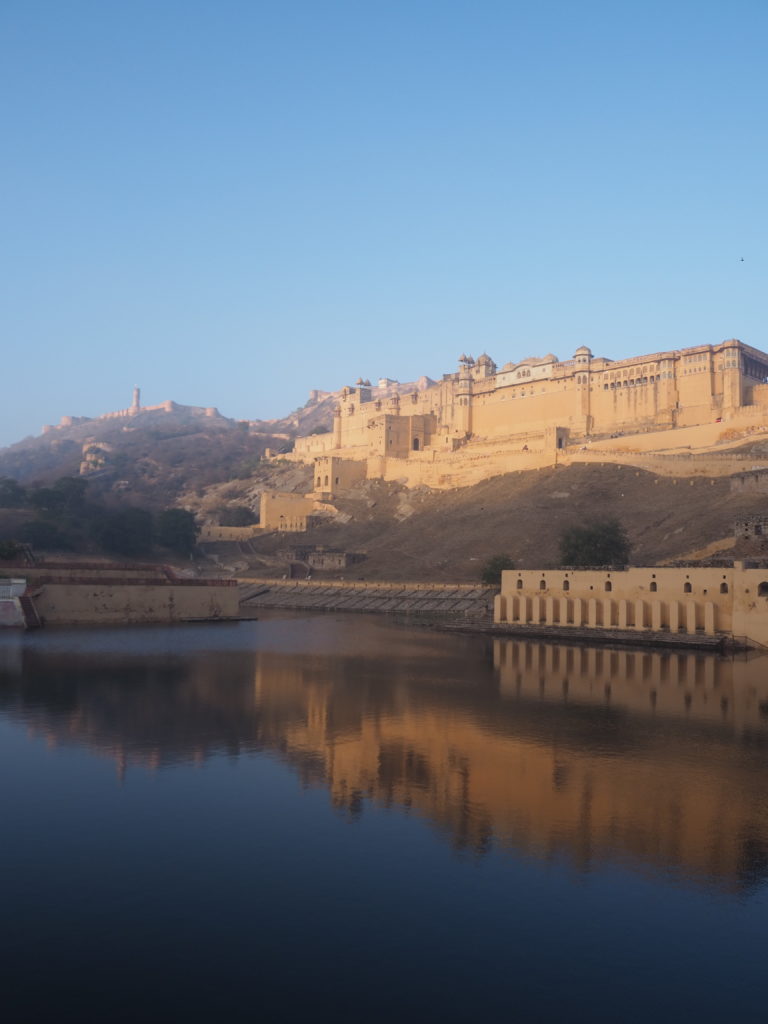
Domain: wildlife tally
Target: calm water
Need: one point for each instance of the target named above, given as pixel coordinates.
(342, 818)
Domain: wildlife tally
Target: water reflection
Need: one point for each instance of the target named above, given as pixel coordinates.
(656, 759)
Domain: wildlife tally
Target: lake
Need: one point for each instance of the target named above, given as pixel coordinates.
(350, 818)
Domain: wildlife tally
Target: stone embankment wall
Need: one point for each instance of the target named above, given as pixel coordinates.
(461, 601)
(119, 601)
(99, 593)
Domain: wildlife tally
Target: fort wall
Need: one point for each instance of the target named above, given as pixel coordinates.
(207, 412)
(285, 511)
(210, 532)
(482, 421)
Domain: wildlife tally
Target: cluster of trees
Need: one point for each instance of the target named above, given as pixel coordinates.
(65, 519)
(237, 515)
(600, 542)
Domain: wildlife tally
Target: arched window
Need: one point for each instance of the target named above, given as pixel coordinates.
(762, 590)
(687, 588)
(519, 584)
(653, 587)
(415, 444)
(723, 588)
(566, 584)
(326, 482)
(608, 585)
(543, 585)
(319, 481)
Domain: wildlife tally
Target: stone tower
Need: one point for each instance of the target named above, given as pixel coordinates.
(136, 403)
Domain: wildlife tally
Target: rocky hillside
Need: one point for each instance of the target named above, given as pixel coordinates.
(448, 535)
(157, 455)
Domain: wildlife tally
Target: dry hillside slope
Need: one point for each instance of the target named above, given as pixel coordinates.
(424, 535)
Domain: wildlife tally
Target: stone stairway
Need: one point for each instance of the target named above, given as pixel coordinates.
(396, 599)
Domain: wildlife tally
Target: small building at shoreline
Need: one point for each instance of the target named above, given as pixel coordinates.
(730, 603)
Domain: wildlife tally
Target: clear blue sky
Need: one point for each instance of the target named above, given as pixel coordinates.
(229, 202)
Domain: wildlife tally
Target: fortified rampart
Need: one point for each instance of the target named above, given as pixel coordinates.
(135, 409)
(483, 421)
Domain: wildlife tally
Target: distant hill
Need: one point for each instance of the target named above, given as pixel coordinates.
(153, 455)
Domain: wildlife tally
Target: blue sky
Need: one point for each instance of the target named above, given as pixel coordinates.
(229, 202)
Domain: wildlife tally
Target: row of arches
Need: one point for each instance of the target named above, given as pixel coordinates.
(606, 613)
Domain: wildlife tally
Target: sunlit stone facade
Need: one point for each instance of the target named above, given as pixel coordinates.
(693, 601)
(540, 407)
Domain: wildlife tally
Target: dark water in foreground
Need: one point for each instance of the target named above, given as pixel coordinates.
(340, 818)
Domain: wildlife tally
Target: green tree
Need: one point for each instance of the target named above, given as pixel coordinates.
(12, 494)
(177, 530)
(601, 542)
(66, 497)
(124, 531)
(237, 515)
(45, 535)
(493, 568)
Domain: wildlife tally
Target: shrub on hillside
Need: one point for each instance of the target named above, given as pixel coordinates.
(602, 542)
(176, 529)
(493, 568)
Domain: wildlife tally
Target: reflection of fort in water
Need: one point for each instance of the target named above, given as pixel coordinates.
(654, 758)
